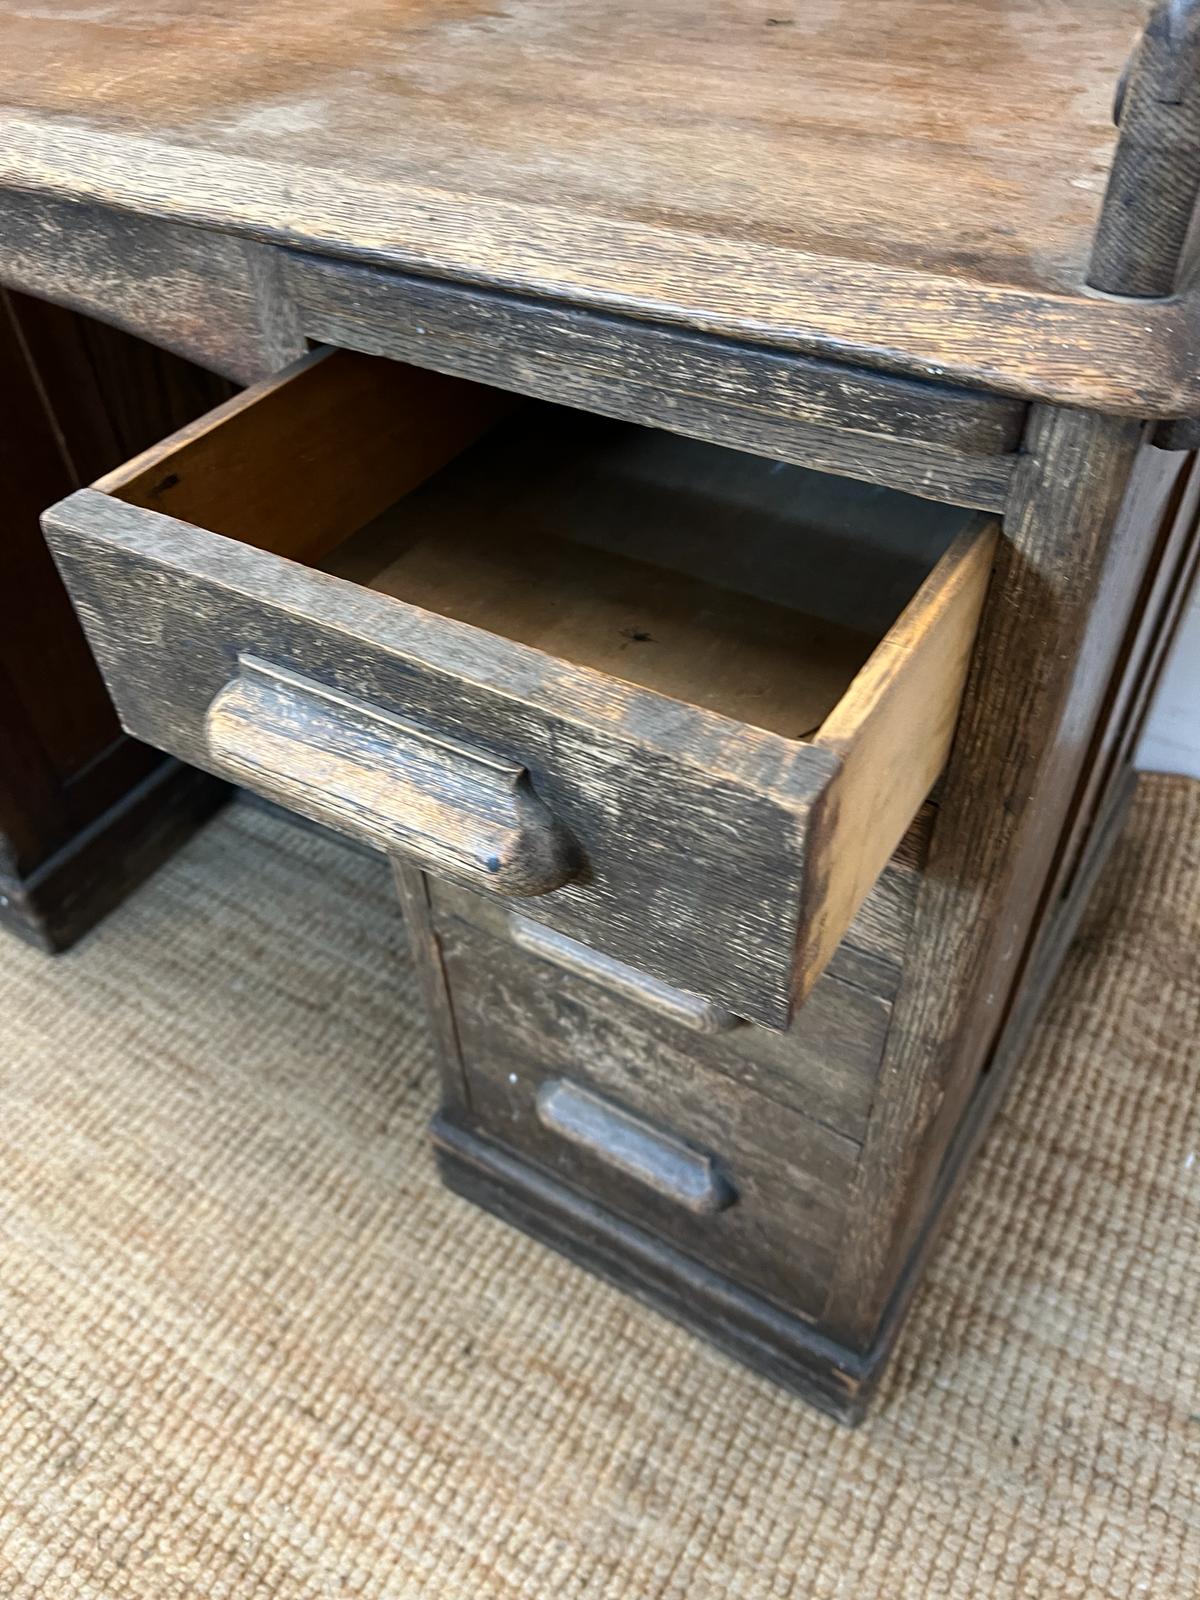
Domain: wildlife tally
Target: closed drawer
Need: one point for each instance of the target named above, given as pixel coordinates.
(824, 1065)
(631, 1112)
(685, 700)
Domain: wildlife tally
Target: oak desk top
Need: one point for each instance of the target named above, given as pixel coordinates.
(909, 185)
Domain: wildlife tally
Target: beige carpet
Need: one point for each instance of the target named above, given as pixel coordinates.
(250, 1349)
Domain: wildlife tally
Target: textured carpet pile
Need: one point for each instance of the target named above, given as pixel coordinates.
(248, 1348)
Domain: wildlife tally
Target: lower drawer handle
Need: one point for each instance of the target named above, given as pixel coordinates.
(676, 1005)
(660, 1161)
(370, 774)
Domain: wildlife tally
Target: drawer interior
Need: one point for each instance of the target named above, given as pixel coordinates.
(687, 698)
(753, 589)
(730, 582)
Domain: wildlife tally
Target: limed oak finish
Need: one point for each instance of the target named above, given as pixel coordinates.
(922, 182)
(721, 549)
(686, 775)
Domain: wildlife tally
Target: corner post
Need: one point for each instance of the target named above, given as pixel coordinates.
(1155, 176)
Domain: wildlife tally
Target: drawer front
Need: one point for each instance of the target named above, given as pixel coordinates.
(632, 1114)
(823, 1066)
(958, 444)
(721, 858)
(679, 866)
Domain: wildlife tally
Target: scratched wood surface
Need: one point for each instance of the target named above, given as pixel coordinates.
(673, 791)
(824, 1065)
(913, 184)
(520, 1030)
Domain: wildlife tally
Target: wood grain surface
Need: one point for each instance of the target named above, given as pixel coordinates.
(298, 462)
(210, 297)
(1066, 578)
(657, 709)
(649, 787)
(518, 1031)
(913, 186)
(930, 439)
(892, 731)
(824, 1065)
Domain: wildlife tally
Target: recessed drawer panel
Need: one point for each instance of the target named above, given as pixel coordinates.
(632, 1113)
(684, 701)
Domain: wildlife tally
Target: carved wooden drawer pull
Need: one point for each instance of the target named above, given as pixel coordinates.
(368, 773)
(674, 1005)
(691, 1178)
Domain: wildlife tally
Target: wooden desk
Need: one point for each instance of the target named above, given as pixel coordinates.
(649, 726)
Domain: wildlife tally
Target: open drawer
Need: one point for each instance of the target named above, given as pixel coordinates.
(682, 700)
